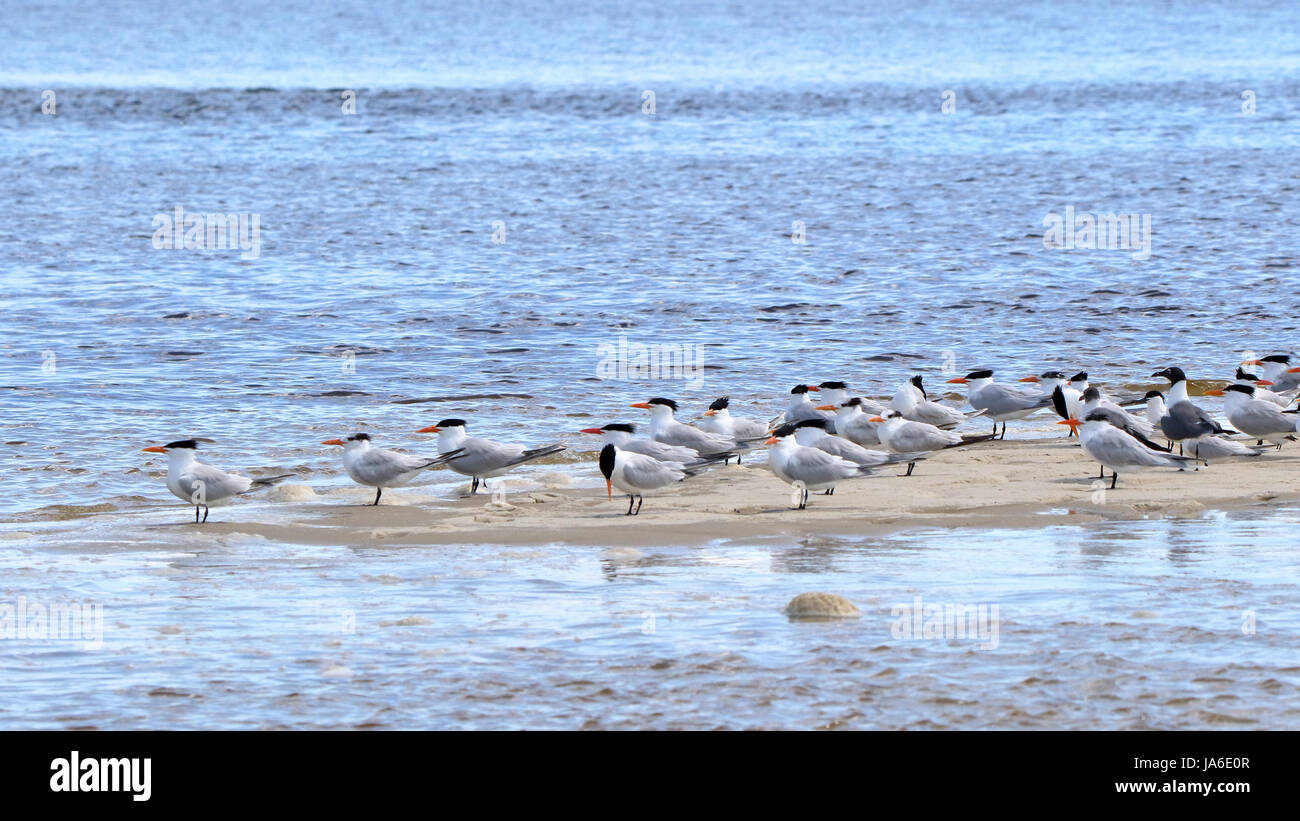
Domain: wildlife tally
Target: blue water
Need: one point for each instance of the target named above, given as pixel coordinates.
(378, 279)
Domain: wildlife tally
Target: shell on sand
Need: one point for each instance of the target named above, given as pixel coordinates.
(821, 606)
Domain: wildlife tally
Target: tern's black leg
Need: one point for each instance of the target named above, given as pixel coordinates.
(378, 491)
(205, 513)
(911, 466)
(1102, 474)
(630, 499)
(1114, 477)
(639, 500)
(473, 488)
(196, 514)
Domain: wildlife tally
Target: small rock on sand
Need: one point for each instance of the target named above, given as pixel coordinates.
(291, 493)
(821, 606)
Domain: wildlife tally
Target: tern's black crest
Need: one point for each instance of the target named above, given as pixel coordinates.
(607, 461)
(1091, 395)
(799, 389)
(1058, 403)
(1285, 359)
(192, 444)
(984, 374)
(833, 386)
(811, 423)
(1097, 416)
(1081, 376)
(626, 427)
(451, 423)
(720, 403)
(894, 415)
(1241, 374)
(1051, 375)
(1153, 395)
(1249, 390)
(916, 380)
(659, 400)
(785, 430)
(359, 437)
(852, 403)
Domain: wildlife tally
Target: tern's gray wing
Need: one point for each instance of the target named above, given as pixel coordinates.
(854, 453)
(1260, 419)
(860, 430)
(644, 473)
(205, 483)
(816, 467)
(748, 428)
(1116, 449)
(998, 399)
(1216, 447)
(932, 413)
(660, 451)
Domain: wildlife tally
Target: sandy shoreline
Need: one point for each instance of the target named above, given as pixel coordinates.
(1025, 483)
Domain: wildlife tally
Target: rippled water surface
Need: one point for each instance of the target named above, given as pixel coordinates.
(378, 281)
(1189, 624)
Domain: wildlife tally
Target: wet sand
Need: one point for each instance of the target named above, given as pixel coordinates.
(1027, 483)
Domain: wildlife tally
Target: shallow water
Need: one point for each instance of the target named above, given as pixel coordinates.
(378, 281)
(1150, 624)
(924, 231)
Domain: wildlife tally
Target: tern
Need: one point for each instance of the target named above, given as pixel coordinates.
(806, 468)
(620, 434)
(1070, 403)
(1257, 418)
(837, 393)
(718, 419)
(637, 474)
(812, 433)
(482, 459)
(1120, 397)
(1217, 448)
(1182, 419)
(1155, 407)
(1093, 399)
(202, 484)
(1282, 400)
(912, 402)
(905, 437)
(801, 407)
(853, 423)
(1277, 369)
(999, 402)
(379, 468)
(665, 428)
(1115, 449)
(1067, 405)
